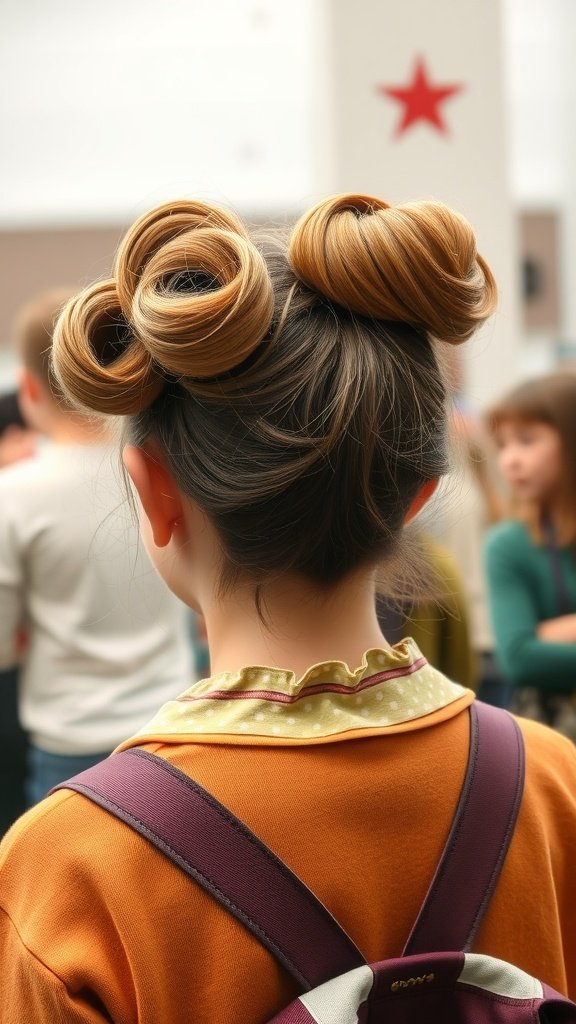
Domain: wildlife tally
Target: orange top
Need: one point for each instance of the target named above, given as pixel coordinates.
(350, 777)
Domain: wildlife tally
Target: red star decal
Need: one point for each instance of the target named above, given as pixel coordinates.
(421, 99)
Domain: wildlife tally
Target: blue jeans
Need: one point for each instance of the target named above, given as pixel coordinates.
(47, 770)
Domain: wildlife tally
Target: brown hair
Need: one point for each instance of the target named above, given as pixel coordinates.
(551, 400)
(33, 331)
(293, 389)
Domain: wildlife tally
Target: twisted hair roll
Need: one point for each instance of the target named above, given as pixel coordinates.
(415, 264)
(190, 297)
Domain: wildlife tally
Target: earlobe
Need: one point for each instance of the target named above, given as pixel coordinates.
(159, 496)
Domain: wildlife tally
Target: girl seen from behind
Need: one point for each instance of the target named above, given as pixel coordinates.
(531, 558)
(286, 417)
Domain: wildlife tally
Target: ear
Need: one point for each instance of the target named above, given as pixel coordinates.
(161, 499)
(417, 503)
(29, 385)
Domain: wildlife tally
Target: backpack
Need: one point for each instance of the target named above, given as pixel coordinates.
(436, 978)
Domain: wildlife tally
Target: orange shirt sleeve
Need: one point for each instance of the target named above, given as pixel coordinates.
(35, 992)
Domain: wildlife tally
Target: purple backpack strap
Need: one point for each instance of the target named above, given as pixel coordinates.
(479, 837)
(215, 848)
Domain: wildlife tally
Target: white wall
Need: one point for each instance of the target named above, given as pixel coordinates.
(535, 40)
(109, 107)
(540, 42)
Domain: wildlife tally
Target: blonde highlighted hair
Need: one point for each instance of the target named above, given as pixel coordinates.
(292, 388)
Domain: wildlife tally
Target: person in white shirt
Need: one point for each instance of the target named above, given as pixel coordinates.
(101, 641)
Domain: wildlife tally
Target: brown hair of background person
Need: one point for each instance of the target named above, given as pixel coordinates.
(33, 331)
(550, 399)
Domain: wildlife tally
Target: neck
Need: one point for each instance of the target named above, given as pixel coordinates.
(297, 627)
(74, 429)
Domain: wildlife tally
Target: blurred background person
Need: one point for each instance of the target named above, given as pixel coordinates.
(467, 503)
(476, 505)
(105, 642)
(531, 557)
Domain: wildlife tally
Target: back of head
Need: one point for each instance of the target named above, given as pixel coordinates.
(33, 331)
(293, 389)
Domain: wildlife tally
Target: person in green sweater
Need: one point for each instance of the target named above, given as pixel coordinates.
(531, 557)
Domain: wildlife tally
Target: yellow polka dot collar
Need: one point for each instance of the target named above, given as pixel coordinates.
(391, 690)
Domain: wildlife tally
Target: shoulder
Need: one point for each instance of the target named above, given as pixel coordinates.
(508, 537)
(548, 742)
(59, 477)
(19, 473)
(550, 761)
(29, 475)
(20, 488)
(65, 870)
(40, 825)
(549, 798)
(83, 842)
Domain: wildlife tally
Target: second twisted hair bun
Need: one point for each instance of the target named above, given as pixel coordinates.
(190, 297)
(416, 263)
